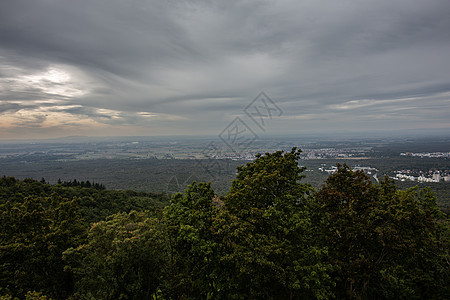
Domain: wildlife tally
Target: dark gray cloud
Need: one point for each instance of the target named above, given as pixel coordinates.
(5, 107)
(179, 67)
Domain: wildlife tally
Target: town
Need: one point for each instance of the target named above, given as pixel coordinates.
(429, 176)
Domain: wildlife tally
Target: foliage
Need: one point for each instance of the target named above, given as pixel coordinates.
(270, 234)
(86, 184)
(95, 204)
(28, 296)
(40, 221)
(384, 243)
(192, 245)
(33, 234)
(121, 259)
(271, 237)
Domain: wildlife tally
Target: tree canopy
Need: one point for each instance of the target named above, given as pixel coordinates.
(271, 237)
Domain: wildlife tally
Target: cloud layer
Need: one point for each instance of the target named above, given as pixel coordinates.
(141, 67)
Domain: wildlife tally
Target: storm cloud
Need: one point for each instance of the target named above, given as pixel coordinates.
(141, 67)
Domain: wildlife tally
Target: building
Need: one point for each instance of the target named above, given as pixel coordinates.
(436, 177)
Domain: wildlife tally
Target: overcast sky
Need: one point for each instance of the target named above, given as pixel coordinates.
(138, 67)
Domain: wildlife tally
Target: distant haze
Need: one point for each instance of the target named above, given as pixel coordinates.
(107, 68)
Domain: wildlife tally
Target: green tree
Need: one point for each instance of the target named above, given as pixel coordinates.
(384, 243)
(192, 246)
(33, 235)
(269, 232)
(122, 258)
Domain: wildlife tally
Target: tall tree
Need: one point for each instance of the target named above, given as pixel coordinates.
(192, 246)
(269, 232)
(384, 243)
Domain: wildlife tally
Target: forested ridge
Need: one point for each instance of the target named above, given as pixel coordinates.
(270, 237)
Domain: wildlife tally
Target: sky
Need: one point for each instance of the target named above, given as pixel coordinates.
(150, 68)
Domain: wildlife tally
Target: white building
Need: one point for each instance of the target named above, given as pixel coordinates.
(436, 177)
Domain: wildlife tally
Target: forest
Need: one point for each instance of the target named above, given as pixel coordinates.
(271, 236)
